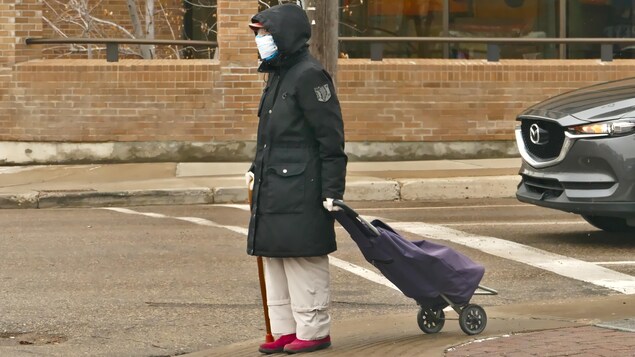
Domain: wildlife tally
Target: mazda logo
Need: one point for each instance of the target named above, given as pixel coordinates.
(537, 135)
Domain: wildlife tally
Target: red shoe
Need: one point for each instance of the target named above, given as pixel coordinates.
(277, 345)
(299, 345)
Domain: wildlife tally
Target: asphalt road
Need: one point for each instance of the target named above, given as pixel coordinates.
(145, 281)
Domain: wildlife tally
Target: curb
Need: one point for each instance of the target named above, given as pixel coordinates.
(63, 199)
(459, 187)
(398, 190)
(25, 200)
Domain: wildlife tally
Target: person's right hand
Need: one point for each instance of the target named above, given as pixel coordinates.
(328, 205)
(249, 180)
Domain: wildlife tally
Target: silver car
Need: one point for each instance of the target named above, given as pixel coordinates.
(578, 152)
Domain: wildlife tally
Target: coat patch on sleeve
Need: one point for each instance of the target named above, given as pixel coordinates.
(323, 93)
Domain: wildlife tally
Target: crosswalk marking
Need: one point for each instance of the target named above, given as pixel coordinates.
(618, 262)
(551, 223)
(363, 272)
(342, 264)
(590, 272)
(555, 263)
(195, 220)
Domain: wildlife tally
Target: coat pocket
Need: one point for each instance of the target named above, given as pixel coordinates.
(285, 188)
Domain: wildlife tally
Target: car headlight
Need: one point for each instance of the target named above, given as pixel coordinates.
(611, 128)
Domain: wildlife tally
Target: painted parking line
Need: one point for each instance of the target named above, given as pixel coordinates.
(555, 263)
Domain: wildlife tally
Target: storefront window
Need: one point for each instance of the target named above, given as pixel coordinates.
(600, 18)
(482, 18)
(467, 18)
(199, 23)
(505, 18)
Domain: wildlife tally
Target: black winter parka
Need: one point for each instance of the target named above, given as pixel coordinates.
(300, 157)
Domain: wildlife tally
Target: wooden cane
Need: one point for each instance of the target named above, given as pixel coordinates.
(263, 292)
(263, 287)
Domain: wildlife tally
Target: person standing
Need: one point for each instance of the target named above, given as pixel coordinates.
(298, 170)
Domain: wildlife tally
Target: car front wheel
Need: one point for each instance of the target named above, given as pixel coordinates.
(610, 224)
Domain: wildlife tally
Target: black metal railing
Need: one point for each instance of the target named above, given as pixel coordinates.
(112, 44)
(493, 43)
(376, 43)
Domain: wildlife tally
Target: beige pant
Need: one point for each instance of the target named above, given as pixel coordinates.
(298, 296)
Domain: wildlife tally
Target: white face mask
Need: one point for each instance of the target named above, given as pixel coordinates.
(266, 47)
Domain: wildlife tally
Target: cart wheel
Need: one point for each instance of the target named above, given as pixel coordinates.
(472, 319)
(430, 321)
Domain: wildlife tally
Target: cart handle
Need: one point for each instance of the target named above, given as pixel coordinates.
(351, 213)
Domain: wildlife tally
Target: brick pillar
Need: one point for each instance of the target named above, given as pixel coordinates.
(235, 40)
(239, 84)
(19, 19)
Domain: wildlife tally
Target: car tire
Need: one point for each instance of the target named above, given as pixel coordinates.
(609, 224)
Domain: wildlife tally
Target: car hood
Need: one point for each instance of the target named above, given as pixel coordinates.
(605, 101)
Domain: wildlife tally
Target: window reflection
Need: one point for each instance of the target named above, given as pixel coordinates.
(506, 18)
(482, 18)
(600, 18)
(199, 23)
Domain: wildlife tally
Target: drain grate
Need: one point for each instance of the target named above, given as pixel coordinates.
(627, 325)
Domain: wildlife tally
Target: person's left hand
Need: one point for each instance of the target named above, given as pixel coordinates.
(328, 205)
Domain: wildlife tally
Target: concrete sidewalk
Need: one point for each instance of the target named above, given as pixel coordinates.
(203, 183)
(590, 327)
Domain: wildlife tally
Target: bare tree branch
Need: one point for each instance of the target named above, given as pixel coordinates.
(70, 18)
(202, 5)
(167, 20)
(149, 31)
(55, 28)
(146, 51)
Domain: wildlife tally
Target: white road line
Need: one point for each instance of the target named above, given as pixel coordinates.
(555, 263)
(363, 272)
(439, 207)
(619, 262)
(369, 218)
(238, 206)
(554, 223)
(350, 267)
(195, 220)
(205, 222)
(245, 207)
(129, 211)
(559, 264)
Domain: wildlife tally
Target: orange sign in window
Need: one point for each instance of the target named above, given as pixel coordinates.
(413, 7)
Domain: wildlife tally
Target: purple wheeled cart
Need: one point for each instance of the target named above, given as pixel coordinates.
(433, 275)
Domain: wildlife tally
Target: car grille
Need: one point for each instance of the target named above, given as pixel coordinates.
(552, 147)
(543, 187)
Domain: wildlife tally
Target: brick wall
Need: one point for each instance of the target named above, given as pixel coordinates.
(135, 100)
(7, 32)
(456, 100)
(399, 100)
(199, 100)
